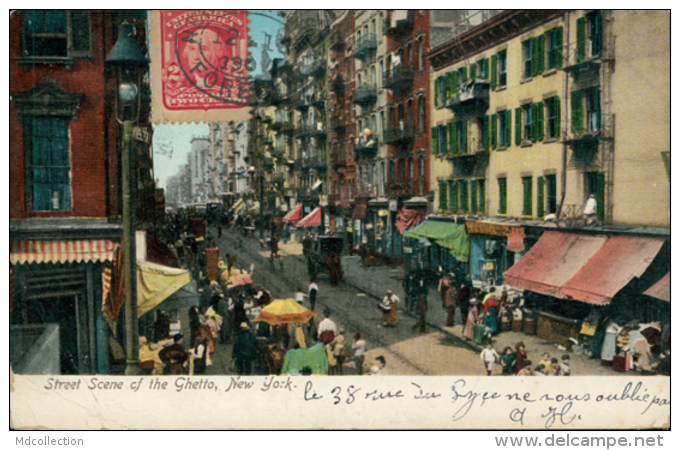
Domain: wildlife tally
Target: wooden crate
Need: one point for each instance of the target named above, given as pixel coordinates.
(557, 329)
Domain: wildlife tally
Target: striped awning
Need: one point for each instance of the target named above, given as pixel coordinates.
(61, 251)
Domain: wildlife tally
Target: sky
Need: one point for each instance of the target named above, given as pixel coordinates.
(172, 142)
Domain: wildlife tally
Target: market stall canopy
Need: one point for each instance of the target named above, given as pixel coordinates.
(315, 358)
(155, 283)
(313, 219)
(61, 251)
(284, 311)
(661, 289)
(184, 298)
(294, 215)
(620, 260)
(553, 261)
(452, 236)
(408, 218)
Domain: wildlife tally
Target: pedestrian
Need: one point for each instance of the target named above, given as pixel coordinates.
(489, 357)
(565, 367)
(327, 329)
(508, 361)
(520, 356)
(200, 356)
(339, 351)
(421, 310)
(313, 290)
(299, 296)
(444, 284)
(409, 288)
(359, 349)
(471, 321)
(491, 311)
(174, 356)
(464, 293)
(388, 307)
(450, 305)
(245, 350)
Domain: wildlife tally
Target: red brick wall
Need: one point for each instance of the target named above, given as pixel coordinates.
(93, 167)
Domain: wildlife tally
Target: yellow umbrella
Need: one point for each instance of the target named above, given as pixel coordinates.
(284, 311)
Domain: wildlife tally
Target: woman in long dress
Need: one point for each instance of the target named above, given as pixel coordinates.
(609, 345)
(473, 316)
(388, 306)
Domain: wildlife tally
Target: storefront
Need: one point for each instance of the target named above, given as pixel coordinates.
(438, 242)
(494, 248)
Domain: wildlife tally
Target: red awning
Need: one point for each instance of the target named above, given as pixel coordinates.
(661, 289)
(620, 260)
(409, 218)
(294, 215)
(61, 251)
(313, 219)
(553, 261)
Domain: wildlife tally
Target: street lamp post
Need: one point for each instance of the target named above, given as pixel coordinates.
(127, 60)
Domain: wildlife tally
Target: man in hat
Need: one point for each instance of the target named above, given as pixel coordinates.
(174, 356)
(245, 350)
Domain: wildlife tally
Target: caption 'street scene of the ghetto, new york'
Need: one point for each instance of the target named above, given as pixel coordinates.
(340, 192)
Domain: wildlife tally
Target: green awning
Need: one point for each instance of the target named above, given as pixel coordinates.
(452, 236)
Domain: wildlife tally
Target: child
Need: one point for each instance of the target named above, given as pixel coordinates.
(546, 361)
(359, 347)
(526, 370)
(566, 369)
(540, 370)
(555, 368)
(489, 356)
(508, 361)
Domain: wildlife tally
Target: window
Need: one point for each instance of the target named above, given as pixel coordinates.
(553, 114)
(502, 68)
(392, 174)
(481, 195)
(502, 196)
(453, 196)
(483, 126)
(435, 140)
(482, 69)
(527, 55)
(504, 128)
(421, 114)
(443, 139)
(463, 188)
(593, 116)
(474, 202)
(461, 136)
(56, 34)
(421, 55)
(48, 163)
(551, 194)
(586, 101)
(595, 185)
(526, 119)
(443, 198)
(554, 43)
(527, 184)
(421, 174)
(589, 36)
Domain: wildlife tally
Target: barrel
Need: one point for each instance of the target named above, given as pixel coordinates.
(529, 326)
(517, 325)
(506, 325)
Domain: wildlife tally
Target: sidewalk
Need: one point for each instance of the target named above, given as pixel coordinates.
(375, 281)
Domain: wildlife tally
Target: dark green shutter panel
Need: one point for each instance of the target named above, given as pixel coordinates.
(473, 71)
(486, 68)
(600, 195)
(539, 198)
(436, 92)
(463, 74)
(444, 130)
(534, 122)
(508, 127)
(541, 53)
(581, 40)
(442, 195)
(494, 131)
(473, 197)
(482, 197)
(463, 130)
(454, 82)
(540, 131)
(558, 116)
(534, 56)
(454, 195)
(494, 71)
(577, 112)
(527, 210)
(485, 133)
(503, 193)
(435, 140)
(452, 138)
(463, 195)
(558, 44)
(518, 126)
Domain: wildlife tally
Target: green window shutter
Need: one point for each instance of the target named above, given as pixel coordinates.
(518, 126)
(600, 195)
(540, 198)
(446, 89)
(534, 122)
(559, 44)
(463, 74)
(473, 197)
(503, 195)
(435, 140)
(444, 130)
(485, 133)
(482, 197)
(581, 40)
(454, 83)
(442, 195)
(528, 207)
(463, 130)
(541, 53)
(494, 131)
(486, 68)
(473, 71)
(453, 185)
(540, 131)
(577, 112)
(494, 72)
(463, 195)
(558, 116)
(508, 127)
(452, 138)
(534, 56)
